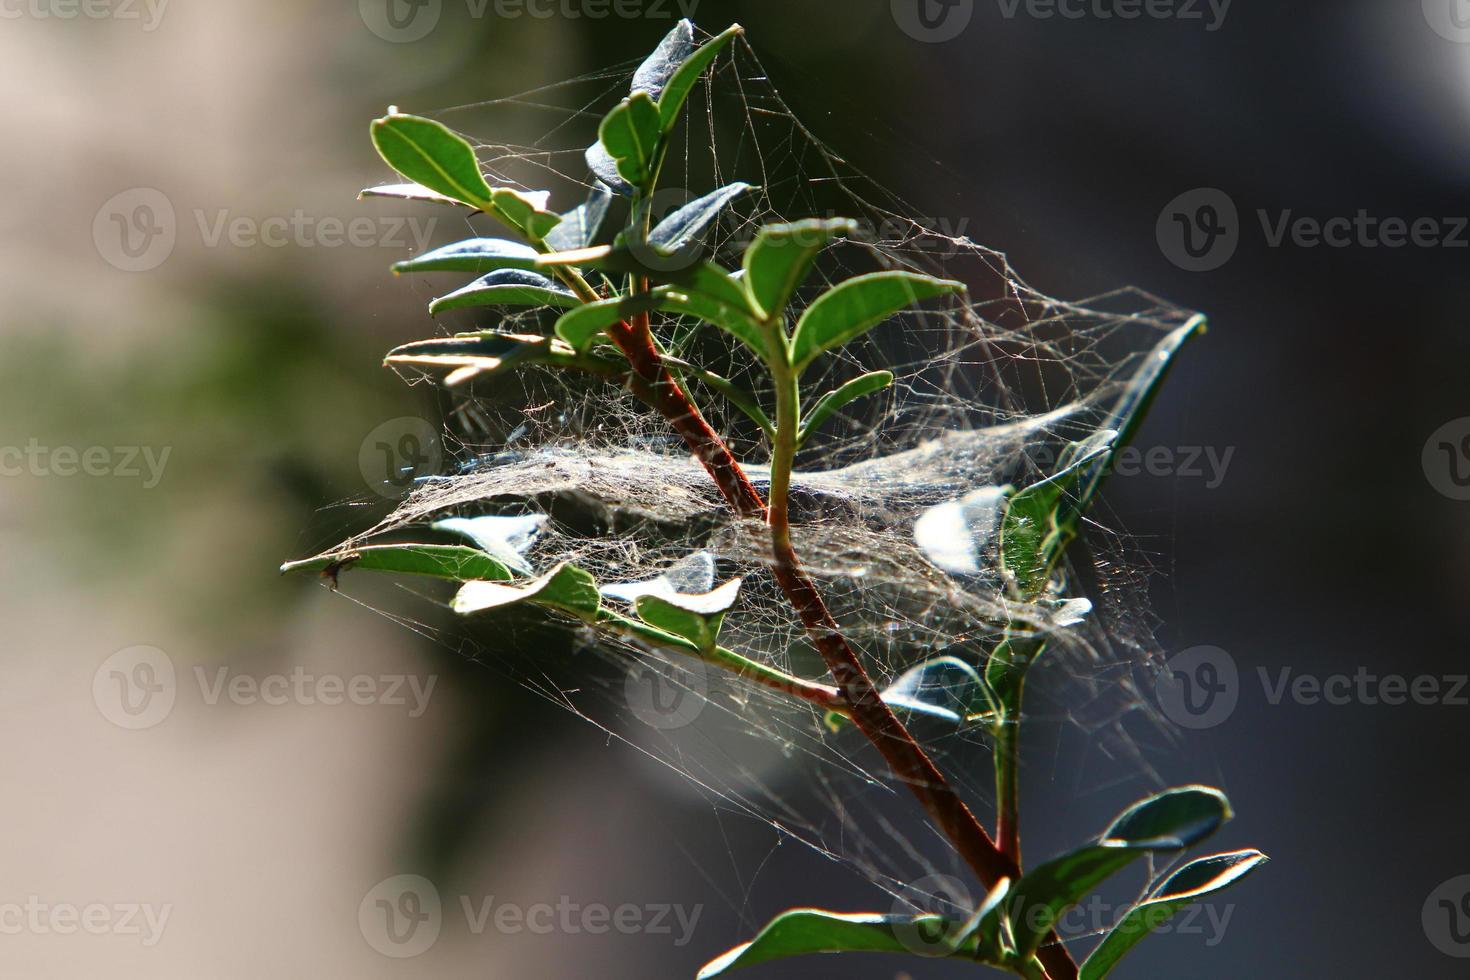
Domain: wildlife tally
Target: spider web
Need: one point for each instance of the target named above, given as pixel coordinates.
(989, 389)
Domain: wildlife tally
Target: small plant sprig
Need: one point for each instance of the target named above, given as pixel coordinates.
(608, 294)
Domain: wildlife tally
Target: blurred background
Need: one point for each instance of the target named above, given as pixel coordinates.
(191, 391)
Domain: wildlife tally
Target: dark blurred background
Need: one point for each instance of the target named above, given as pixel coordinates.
(1085, 147)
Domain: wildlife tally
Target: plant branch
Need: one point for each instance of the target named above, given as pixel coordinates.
(818, 695)
(655, 384)
(868, 710)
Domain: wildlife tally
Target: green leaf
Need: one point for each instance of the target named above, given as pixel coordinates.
(565, 588)
(1170, 821)
(801, 932)
(407, 192)
(699, 277)
(654, 74)
(676, 92)
(1132, 407)
(781, 257)
(733, 320)
(427, 153)
(856, 306)
(579, 227)
(944, 688)
(506, 287)
(451, 561)
(696, 617)
(833, 401)
(1193, 881)
(504, 538)
(487, 353)
(472, 255)
(1041, 519)
(605, 169)
(656, 71)
(694, 574)
(630, 135)
(687, 225)
(581, 326)
(525, 212)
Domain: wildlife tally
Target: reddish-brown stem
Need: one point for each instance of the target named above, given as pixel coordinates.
(657, 386)
(873, 717)
(653, 382)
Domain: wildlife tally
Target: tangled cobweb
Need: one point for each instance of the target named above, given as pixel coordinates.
(894, 500)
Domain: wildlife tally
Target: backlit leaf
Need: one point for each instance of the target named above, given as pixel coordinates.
(1190, 883)
(1170, 821)
(472, 255)
(781, 257)
(449, 561)
(565, 588)
(506, 287)
(429, 154)
(854, 307)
